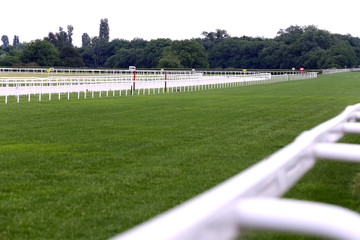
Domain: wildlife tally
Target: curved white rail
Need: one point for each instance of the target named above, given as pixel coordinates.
(248, 200)
(298, 216)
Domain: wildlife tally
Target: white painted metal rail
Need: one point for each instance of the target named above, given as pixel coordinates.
(94, 72)
(144, 82)
(250, 200)
(331, 71)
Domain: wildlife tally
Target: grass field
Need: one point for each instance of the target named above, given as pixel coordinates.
(89, 169)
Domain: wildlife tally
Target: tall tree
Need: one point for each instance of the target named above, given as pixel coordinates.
(104, 31)
(68, 39)
(5, 40)
(221, 34)
(62, 38)
(217, 36)
(16, 41)
(86, 40)
(97, 50)
(213, 38)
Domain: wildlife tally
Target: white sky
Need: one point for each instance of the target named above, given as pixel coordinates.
(185, 19)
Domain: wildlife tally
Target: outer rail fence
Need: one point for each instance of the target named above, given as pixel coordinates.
(61, 71)
(70, 71)
(132, 83)
(331, 71)
(251, 199)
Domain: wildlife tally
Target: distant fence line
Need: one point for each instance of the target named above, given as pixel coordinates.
(124, 71)
(61, 71)
(134, 83)
(331, 71)
(292, 77)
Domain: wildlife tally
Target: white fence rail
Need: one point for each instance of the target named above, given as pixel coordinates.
(70, 71)
(81, 71)
(139, 82)
(250, 200)
(292, 77)
(331, 71)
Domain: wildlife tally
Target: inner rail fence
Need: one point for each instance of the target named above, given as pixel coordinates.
(331, 71)
(252, 199)
(132, 83)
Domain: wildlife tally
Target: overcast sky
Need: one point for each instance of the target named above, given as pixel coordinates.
(185, 19)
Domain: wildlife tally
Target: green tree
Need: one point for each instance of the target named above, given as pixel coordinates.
(5, 40)
(94, 55)
(125, 58)
(62, 38)
(154, 51)
(237, 53)
(290, 34)
(273, 54)
(70, 57)
(104, 32)
(86, 40)
(68, 40)
(190, 53)
(16, 41)
(212, 38)
(341, 55)
(97, 49)
(138, 43)
(169, 62)
(116, 44)
(10, 58)
(87, 56)
(41, 52)
(311, 60)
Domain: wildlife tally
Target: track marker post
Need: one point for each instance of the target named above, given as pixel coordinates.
(165, 81)
(134, 81)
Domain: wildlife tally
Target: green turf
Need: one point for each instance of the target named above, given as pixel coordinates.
(89, 169)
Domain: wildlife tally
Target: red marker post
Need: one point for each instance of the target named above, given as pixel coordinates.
(165, 81)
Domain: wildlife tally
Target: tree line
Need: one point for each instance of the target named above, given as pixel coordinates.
(294, 46)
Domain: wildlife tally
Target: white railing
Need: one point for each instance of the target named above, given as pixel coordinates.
(144, 82)
(250, 200)
(69, 71)
(292, 77)
(302, 76)
(81, 71)
(331, 71)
